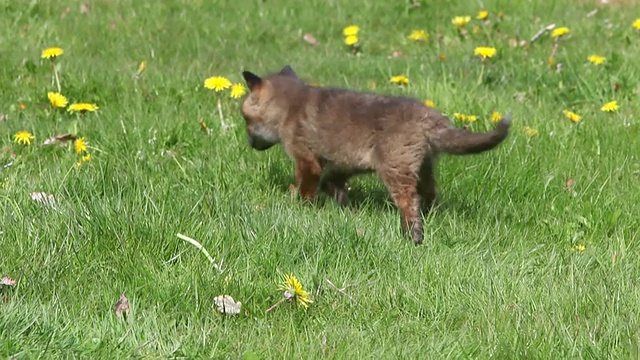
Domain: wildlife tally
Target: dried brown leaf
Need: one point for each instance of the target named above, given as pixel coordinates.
(65, 12)
(310, 39)
(7, 281)
(122, 306)
(569, 184)
(3, 117)
(85, 8)
(227, 305)
(61, 138)
(397, 54)
(43, 198)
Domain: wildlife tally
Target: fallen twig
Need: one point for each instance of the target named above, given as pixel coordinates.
(341, 291)
(202, 249)
(542, 31)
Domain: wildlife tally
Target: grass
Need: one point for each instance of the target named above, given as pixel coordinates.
(497, 276)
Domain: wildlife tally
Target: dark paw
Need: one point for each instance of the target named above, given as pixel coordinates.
(341, 197)
(417, 235)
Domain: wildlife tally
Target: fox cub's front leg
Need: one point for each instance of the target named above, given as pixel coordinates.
(307, 177)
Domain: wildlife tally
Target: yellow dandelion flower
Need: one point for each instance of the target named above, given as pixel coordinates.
(23, 137)
(636, 24)
(82, 107)
(419, 35)
(578, 248)
(495, 117)
(430, 103)
(203, 126)
(611, 106)
(84, 159)
(238, 90)
(572, 116)
(293, 290)
(460, 21)
(57, 100)
(400, 80)
(351, 30)
(141, 68)
(485, 52)
(596, 59)
(217, 83)
(80, 145)
(530, 132)
(465, 118)
(561, 31)
(482, 15)
(51, 53)
(443, 56)
(351, 40)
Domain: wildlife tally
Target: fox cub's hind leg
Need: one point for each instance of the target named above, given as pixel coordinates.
(427, 184)
(403, 187)
(334, 184)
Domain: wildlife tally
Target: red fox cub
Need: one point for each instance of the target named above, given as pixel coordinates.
(332, 134)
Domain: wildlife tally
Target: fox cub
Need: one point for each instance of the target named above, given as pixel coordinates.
(332, 134)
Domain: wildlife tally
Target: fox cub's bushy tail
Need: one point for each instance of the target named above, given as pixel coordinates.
(460, 141)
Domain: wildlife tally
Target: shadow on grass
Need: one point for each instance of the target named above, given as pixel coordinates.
(367, 190)
(360, 193)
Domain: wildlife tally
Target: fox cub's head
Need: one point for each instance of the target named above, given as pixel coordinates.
(267, 105)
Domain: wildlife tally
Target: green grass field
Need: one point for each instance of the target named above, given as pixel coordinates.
(532, 251)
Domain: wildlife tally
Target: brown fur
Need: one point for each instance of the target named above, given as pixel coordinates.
(332, 134)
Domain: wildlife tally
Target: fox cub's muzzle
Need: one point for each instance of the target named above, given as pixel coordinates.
(261, 137)
(259, 144)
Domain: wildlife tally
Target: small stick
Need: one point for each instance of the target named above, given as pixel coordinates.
(201, 248)
(223, 125)
(55, 76)
(592, 12)
(542, 31)
(274, 306)
(555, 48)
(341, 291)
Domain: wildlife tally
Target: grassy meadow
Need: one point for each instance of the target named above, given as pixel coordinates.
(531, 252)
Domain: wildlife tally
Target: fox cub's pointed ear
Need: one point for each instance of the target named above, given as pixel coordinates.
(252, 79)
(287, 70)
